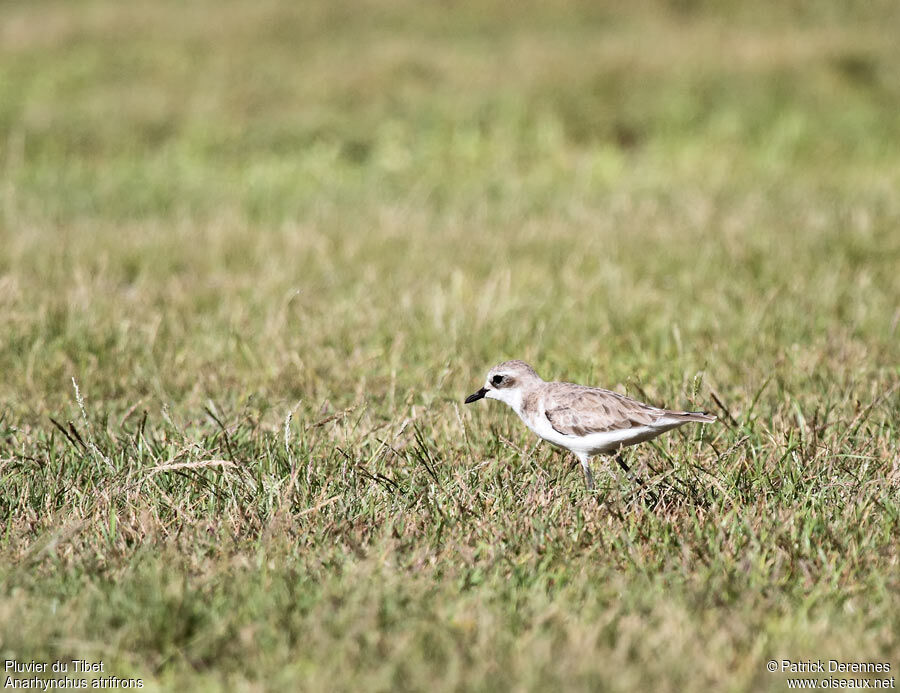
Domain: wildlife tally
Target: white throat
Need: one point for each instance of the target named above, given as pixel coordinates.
(509, 395)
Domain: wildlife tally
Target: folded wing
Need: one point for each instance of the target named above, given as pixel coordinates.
(581, 411)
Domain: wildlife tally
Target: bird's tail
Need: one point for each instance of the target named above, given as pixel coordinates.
(700, 416)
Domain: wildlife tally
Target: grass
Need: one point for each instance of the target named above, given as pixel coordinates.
(253, 256)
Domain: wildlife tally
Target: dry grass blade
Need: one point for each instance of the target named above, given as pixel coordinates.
(196, 464)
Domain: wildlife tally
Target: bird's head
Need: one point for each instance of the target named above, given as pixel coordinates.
(506, 382)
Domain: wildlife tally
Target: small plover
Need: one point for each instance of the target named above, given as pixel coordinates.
(587, 421)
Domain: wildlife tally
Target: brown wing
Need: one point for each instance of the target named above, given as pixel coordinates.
(580, 411)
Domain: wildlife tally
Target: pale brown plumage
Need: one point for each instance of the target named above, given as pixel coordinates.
(578, 410)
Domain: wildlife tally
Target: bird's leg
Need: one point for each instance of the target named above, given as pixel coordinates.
(586, 468)
(633, 477)
(588, 477)
(622, 464)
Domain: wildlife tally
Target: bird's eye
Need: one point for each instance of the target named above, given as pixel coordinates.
(497, 379)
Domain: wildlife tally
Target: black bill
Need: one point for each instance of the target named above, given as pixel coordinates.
(475, 396)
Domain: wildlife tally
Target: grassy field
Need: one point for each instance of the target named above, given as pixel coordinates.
(253, 255)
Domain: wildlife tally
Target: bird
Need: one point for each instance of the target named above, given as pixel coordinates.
(586, 421)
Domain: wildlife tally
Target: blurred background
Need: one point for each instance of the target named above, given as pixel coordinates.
(276, 191)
